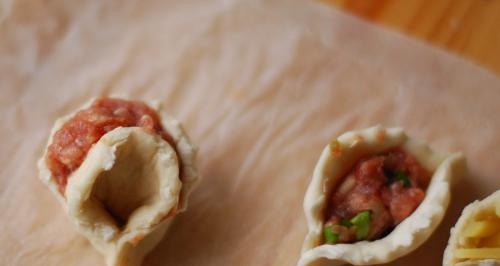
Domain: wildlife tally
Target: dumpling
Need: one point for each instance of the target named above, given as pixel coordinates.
(375, 195)
(122, 170)
(475, 238)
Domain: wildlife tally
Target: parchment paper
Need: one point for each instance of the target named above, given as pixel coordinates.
(261, 86)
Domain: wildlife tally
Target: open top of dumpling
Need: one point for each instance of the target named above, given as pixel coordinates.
(375, 196)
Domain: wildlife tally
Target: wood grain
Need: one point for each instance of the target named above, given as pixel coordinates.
(470, 28)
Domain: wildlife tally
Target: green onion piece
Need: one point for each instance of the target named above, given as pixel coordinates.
(400, 176)
(346, 223)
(330, 236)
(362, 221)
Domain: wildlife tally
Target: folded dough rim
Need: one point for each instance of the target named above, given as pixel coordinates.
(340, 156)
(468, 214)
(129, 245)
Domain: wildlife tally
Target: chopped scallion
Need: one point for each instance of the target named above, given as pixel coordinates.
(330, 236)
(362, 221)
(400, 176)
(345, 223)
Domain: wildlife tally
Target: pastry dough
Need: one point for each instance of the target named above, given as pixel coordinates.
(339, 157)
(127, 190)
(462, 237)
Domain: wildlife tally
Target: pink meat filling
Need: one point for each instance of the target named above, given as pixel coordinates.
(375, 184)
(74, 139)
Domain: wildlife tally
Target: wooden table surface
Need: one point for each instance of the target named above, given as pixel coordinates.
(470, 28)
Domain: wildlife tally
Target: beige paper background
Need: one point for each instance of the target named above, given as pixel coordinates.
(261, 87)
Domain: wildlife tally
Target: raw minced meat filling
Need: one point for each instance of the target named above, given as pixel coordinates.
(71, 143)
(375, 196)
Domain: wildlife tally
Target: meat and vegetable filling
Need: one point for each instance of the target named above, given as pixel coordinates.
(74, 139)
(374, 197)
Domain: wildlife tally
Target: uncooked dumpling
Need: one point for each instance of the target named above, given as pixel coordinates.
(122, 170)
(375, 195)
(475, 239)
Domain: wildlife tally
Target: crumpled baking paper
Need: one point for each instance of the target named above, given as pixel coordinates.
(261, 86)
